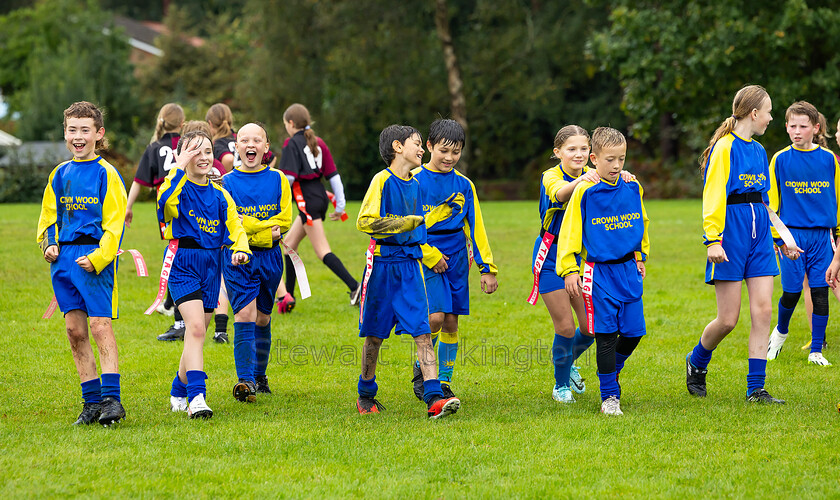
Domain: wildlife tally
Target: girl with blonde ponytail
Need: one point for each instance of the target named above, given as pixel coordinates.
(305, 160)
(738, 239)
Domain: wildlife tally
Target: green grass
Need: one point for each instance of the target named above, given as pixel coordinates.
(509, 439)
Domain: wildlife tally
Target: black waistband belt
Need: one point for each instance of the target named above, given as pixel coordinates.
(620, 260)
(737, 198)
(81, 240)
(188, 243)
(446, 231)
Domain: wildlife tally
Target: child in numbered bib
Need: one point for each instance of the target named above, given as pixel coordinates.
(608, 221)
(200, 218)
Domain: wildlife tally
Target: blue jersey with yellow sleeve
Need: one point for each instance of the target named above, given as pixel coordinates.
(448, 236)
(805, 187)
(203, 212)
(607, 220)
(735, 166)
(84, 199)
(264, 199)
(552, 210)
(392, 213)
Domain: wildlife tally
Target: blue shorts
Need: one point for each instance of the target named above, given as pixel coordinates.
(449, 291)
(396, 296)
(94, 294)
(606, 314)
(258, 279)
(818, 245)
(749, 256)
(549, 281)
(196, 270)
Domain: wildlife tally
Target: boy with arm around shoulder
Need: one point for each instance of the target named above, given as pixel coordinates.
(608, 219)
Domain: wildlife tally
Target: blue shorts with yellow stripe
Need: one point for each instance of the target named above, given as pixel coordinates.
(196, 270)
(258, 279)
(449, 291)
(396, 296)
(92, 293)
(818, 246)
(748, 244)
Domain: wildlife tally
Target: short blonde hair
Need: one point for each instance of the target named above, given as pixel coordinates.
(606, 137)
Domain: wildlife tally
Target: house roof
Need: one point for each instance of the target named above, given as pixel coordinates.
(8, 139)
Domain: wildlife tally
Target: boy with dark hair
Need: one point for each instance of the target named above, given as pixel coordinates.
(607, 219)
(452, 245)
(393, 292)
(79, 231)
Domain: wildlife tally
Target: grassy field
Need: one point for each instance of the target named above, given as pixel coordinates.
(510, 439)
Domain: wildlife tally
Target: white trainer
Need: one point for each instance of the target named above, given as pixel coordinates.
(177, 404)
(198, 408)
(816, 358)
(777, 340)
(160, 309)
(562, 394)
(611, 406)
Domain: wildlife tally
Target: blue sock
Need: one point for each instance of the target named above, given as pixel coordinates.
(818, 324)
(179, 389)
(700, 356)
(367, 388)
(92, 391)
(262, 343)
(111, 385)
(756, 374)
(619, 362)
(609, 385)
(431, 388)
(561, 355)
(581, 344)
(783, 322)
(244, 350)
(195, 384)
(447, 353)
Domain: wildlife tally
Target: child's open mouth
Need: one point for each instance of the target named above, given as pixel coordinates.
(251, 155)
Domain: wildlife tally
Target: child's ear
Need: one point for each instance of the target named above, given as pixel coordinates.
(428, 145)
(593, 159)
(100, 133)
(556, 152)
(397, 146)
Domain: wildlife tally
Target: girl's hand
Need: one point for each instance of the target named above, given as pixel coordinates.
(489, 283)
(715, 254)
(336, 215)
(831, 275)
(590, 176)
(627, 176)
(239, 258)
(51, 253)
(187, 155)
(573, 285)
(129, 216)
(85, 264)
(641, 267)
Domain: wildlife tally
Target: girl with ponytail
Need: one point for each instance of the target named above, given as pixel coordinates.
(738, 239)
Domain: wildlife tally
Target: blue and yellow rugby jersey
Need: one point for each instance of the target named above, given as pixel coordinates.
(84, 198)
(392, 213)
(552, 210)
(264, 199)
(203, 212)
(449, 236)
(607, 220)
(805, 188)
(735, 166)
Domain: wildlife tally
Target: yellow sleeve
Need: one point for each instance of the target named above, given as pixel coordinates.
(714, 193)
(773, 195)
(570, 239)
(169, 196)
(482, 254)
(234, 227)
(46, 233)
(645, 253)
(369, 221)
(431, 255)
(445, 210)
(113, 221)
(259, 230)
(553, 182)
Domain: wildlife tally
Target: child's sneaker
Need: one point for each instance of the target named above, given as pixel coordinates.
(220, 337)
(817, 358)
(90, 414)
(286, 304)
(198, 408)
(177, 404)
(161, 309)
(442, 407)
(262, 384)
(355, 295)
(112, 411)
(173, 334)
(368, 405)
(611, 406)
(562, 394)
(760, 395)
(245, 391)
(446, 390)
(777, 340)
(576, 382)
(417, 380)
(695, 378)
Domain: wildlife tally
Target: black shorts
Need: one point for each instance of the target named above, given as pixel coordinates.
(315, 197)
